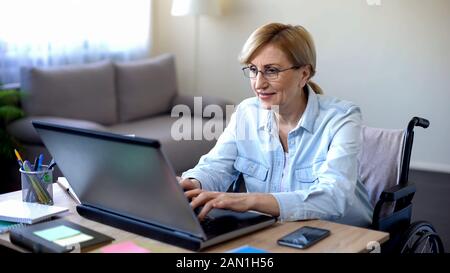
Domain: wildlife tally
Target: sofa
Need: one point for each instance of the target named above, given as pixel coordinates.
(133, 98)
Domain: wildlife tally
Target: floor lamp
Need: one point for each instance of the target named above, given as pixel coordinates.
(196, 8)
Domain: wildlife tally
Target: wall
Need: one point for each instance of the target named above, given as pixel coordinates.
(392, 60)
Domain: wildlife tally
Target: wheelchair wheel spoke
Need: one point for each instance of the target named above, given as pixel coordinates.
(425, 246)
(421, 237)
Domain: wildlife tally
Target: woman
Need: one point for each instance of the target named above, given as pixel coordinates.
(297, 149)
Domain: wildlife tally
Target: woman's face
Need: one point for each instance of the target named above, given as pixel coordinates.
(283, 91)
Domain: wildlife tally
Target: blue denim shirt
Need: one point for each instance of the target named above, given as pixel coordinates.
(322, 175)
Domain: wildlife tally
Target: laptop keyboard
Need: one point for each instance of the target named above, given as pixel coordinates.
(207, 219)
(207, 222)
(217, 222)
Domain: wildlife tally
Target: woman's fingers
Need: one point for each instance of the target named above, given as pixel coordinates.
(206, 208)
(210, 200)
(187, 184)
(217, 200)
(192, 193)
(201, 198)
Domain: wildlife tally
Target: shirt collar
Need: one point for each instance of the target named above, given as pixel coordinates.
(311, 111)
(266, 119)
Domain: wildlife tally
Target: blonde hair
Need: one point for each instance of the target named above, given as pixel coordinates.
(294, 41)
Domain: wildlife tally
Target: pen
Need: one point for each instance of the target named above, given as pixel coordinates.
(69, 192)
(42, 194)
(38, 194)
(35, 163)
(39, 163)
(51, 164)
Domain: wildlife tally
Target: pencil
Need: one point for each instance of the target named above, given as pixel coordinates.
(18, 155)
(42, 194)
(19, 158)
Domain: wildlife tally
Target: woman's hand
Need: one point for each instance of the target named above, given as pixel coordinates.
(189, 184)
(262, 202)
(209, 200)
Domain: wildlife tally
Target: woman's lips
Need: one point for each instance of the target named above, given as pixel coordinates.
(265, 95)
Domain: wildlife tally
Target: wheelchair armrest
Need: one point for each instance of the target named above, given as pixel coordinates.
(398, 192)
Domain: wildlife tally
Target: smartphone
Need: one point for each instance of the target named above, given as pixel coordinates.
(304, 237)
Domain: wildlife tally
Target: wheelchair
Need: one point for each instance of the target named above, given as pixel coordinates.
(384, 169)
(393, 209)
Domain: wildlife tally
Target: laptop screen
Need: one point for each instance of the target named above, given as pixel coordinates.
(125, 175)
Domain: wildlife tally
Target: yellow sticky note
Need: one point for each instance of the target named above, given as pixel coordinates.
(76, 239)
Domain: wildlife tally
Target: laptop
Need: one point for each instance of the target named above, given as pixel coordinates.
(127, 182)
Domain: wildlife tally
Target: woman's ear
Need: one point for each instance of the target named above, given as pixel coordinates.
(305, 74)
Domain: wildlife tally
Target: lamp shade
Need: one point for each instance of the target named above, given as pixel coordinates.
(195, 7)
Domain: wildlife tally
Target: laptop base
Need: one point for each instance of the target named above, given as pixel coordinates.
(139, 227)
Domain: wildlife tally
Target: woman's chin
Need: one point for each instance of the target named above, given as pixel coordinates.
(267, 105)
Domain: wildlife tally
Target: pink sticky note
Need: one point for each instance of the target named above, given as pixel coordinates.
(124, 247)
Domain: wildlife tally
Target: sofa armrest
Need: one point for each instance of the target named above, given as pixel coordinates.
(23, 129)
(189, 101)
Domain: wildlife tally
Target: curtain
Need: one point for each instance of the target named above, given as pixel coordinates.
(51, 32)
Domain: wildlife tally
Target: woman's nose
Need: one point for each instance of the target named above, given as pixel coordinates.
(260, 81)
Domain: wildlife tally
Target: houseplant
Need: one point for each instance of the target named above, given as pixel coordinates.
(9, 111)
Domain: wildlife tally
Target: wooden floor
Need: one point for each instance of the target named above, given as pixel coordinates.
(432, 201)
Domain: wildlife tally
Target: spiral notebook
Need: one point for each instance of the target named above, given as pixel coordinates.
(6, 226)
(27, 213)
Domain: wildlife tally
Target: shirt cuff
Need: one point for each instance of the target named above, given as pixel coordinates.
(204, 180)
(286, 203)
(293, 207)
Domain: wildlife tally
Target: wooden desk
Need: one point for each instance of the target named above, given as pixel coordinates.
(343, 238)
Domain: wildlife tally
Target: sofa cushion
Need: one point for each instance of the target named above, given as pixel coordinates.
(145, 88)
(183, 154)
(24, 131)
(206, 101)
(78, 92)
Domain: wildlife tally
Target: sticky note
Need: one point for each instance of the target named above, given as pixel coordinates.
(124, 247)
(56, 233)
(247, 249)
(75, 239)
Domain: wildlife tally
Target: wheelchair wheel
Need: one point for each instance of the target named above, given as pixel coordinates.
(421, 237)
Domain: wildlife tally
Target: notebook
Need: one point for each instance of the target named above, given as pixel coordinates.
(6, 226)
(58, 236)
(27, 213)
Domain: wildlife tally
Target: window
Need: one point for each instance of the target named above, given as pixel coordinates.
(52, 32)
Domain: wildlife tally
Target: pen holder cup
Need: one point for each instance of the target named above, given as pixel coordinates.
(37, 186)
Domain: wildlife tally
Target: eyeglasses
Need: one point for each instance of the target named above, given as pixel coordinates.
(270, 73)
